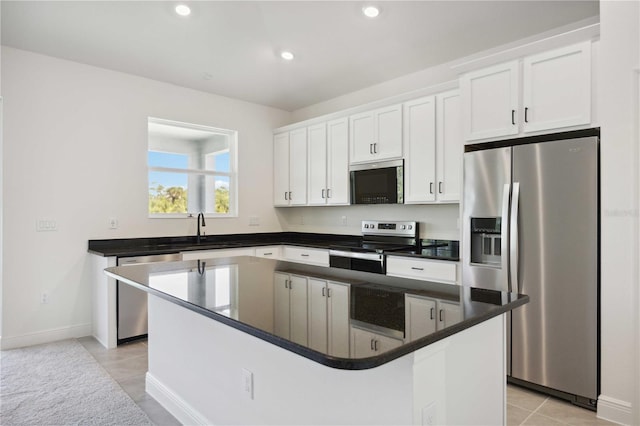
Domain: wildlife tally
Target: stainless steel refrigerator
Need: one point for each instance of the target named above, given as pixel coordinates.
(531, 225)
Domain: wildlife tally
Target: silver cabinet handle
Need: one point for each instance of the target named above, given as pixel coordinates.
(372, 345)
(431, 313)
(286, 283)
(304, 255)
(375, 148)
(430, 187)
(323, 193)
(370, 148)
(328, 193)
(513, 117)
(513, 256)
(290, 196)
(526, 114)
(375, 345)
(415, 268)
(441, 313)
(285, 196)
(267, 254)
(439, 187)
(328, 292)
(323, 289)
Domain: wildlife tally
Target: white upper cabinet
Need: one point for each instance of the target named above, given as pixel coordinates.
(547, 91)
(449, 146)
(281, 169)
(318, 164)
(490, 101)
(557, 88)
(290, 168)
(376, 135)
(329, 163)
(433, 149)
(420, 150)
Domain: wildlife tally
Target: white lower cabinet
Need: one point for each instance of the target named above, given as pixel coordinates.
(329, 317)
(311, 256)
(290, 307)
(423, 269)
(365, 343)
(213, 254)
(424, 316)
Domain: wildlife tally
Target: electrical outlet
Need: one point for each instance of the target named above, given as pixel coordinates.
(113, 223)
(254, 221)
(45, 225)
(343, 221)
(247, 383)
(44, 298)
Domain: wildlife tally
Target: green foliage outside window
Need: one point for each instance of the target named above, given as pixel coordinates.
(174, 199)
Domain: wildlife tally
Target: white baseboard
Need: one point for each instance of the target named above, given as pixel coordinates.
(46, 336)
(173, 403)
(615, 410)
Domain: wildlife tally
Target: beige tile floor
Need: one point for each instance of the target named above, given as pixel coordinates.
(127, 364)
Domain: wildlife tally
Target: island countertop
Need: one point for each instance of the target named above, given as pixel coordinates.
(240, 292)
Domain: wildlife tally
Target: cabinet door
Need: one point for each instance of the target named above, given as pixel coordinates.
(388, 133)
(298, 166)
(298, 309)
(557, 88)
(318, 315)
(420, 317)
(317, 163)
(337, 161)
(420, 149)
(338, 319)
(449, 146)
(281, 305)
(383, 344)
(448, 314)
(490, 98)
(281, 169)
(361, 128)
(361, 343)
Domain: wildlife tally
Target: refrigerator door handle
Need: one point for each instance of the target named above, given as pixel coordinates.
(506, 191)
(513, 243)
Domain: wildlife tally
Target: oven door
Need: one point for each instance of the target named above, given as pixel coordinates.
(358, 261)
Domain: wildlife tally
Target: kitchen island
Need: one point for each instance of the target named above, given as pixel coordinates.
(255, 341)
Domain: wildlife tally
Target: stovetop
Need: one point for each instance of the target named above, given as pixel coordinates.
(374, 247)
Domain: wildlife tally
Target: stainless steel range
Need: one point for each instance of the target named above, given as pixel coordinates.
(378, 238)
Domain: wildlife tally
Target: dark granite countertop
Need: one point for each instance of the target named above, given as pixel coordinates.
(252, 284)
(126, 247)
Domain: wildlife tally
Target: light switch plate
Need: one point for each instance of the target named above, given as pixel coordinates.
(46, 225)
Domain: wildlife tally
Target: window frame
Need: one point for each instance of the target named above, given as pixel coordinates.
(232, 174)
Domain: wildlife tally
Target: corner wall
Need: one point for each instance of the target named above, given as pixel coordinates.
(75, 151)
(619, 60)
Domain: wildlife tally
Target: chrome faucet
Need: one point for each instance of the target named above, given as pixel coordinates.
(200, 220)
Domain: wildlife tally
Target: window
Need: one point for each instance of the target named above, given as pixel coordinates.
(192, 169)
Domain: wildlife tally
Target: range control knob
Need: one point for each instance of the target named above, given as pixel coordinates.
(410, 227)
(366, 226)
(403, 227)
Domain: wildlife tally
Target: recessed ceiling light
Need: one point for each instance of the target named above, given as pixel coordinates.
(370, 11)
(183, 10)
(287, 55)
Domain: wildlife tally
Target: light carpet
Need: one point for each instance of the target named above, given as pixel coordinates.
(60, 383)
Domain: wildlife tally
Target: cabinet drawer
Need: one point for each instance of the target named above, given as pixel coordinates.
(306, 255)
(212, 254)
(428, 270)
(269, 252)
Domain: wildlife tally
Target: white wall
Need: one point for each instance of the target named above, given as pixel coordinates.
(619, 61)
(75, 152)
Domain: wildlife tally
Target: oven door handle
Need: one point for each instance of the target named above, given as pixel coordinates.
(357, 255)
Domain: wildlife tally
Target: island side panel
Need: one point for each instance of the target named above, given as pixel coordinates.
(103, 301)
(196, 371)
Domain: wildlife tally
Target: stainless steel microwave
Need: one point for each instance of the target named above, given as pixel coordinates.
(378, 183)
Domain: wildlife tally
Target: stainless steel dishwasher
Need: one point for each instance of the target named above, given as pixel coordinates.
(132, 321)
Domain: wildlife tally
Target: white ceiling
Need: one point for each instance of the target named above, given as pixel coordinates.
(232, 48)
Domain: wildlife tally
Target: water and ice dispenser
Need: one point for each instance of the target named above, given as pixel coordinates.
(486, 243)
